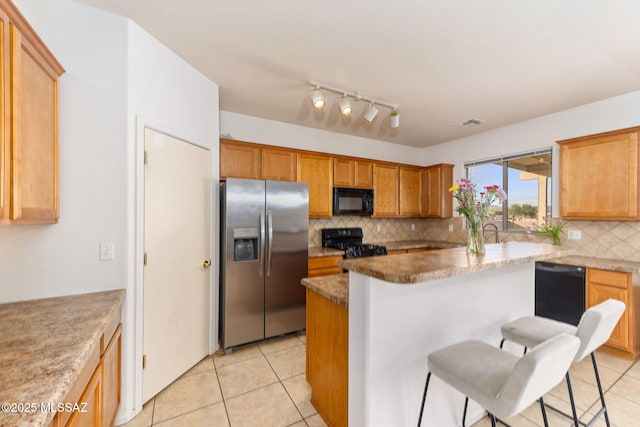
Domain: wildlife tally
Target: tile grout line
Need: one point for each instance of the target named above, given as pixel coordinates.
(224, 401)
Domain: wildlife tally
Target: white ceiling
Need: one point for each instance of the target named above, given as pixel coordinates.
(441, 61)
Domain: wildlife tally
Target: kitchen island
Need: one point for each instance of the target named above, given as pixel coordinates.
(402, 307)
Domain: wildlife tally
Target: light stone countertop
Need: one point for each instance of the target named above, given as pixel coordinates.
(44, 345)
(600, 263)
(432, 265)
(417, 244)
(318, 252)
(334, 287)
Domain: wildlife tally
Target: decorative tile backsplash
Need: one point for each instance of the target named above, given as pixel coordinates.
(604, 239)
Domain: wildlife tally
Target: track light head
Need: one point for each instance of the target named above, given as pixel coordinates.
(371, 113)
(345, 106)
(317, 99)
(394, 119)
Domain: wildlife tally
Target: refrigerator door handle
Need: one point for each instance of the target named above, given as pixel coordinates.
(262, 235)
(270, 224)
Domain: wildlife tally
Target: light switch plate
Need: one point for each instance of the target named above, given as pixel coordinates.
(574, 234)
(450, 227)
(107, 251)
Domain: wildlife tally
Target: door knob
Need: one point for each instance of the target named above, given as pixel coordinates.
(206, 263)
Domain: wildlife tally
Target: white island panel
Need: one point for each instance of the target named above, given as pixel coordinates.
(393, 328)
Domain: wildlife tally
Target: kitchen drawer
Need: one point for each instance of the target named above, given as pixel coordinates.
(609, 278)
(323, 266)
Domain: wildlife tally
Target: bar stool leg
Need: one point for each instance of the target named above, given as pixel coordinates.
(544, 413)
(464, 414)
(424, 398)
(573, 405)
(604, 406)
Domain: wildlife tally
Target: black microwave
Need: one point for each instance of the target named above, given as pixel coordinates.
(352, 201)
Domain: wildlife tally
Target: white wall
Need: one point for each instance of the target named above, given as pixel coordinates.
(263, 131)
(602, 116)
(610, 114)
(61, 259)
(115, 74)
(170, 95)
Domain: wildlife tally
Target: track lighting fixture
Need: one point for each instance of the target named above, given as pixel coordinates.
(394, 119)
(317, 99)
(371, 113)
(346, 108)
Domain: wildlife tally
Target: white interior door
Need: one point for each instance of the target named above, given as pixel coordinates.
(177, 221)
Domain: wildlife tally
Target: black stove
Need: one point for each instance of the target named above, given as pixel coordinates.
(349, 240)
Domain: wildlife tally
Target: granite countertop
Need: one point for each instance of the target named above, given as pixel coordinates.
(334, 287)
(601, 263)
(432, 265)
(416, 244)
(318, 252)
(44, 345)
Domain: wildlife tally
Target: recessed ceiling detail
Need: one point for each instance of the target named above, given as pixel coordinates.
(469, 123)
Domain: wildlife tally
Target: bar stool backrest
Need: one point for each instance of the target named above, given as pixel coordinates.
(596, 326)
(537, 372)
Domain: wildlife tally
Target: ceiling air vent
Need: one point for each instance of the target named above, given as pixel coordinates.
(468, 123)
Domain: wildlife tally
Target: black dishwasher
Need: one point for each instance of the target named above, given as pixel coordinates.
(560, 292)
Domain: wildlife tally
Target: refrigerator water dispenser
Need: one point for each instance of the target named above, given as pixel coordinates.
(245, 244)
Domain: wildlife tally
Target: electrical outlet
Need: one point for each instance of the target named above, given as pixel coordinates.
(378, 228)
(574, 234)
(107, 251)
(413, 227)
(450, 227)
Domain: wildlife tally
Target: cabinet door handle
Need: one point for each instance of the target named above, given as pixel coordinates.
(206, 263)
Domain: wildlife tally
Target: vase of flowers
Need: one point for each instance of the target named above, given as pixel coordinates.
(474, 207)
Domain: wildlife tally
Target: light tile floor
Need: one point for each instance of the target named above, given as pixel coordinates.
(261, 385)
(264, 385)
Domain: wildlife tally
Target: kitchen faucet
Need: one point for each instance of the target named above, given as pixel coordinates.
(495, 228)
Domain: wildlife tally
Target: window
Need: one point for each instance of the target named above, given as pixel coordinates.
(526, 178)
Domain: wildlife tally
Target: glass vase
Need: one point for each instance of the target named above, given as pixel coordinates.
(475, 242)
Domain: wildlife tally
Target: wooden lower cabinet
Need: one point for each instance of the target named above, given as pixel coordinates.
(328, 358)
(95, 397)
(90, 415)
(322, 266)
(604, 284)
(111, 378)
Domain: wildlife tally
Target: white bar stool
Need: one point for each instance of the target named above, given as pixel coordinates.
(594, 329)
(504, 384)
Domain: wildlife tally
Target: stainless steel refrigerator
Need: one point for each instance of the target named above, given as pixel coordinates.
(264, 256)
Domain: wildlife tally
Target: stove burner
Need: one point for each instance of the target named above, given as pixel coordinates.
(363, 250)
(349, 240)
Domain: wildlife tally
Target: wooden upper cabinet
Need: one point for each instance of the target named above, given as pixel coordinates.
(352, 173)
(599, 176)
(438, 201)
(239, 160)
(251, 161)
(29, 175)
(343, 172)
(317, 171)
(385, 189)
(410, 189)
(5, 119)
(279, 165)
